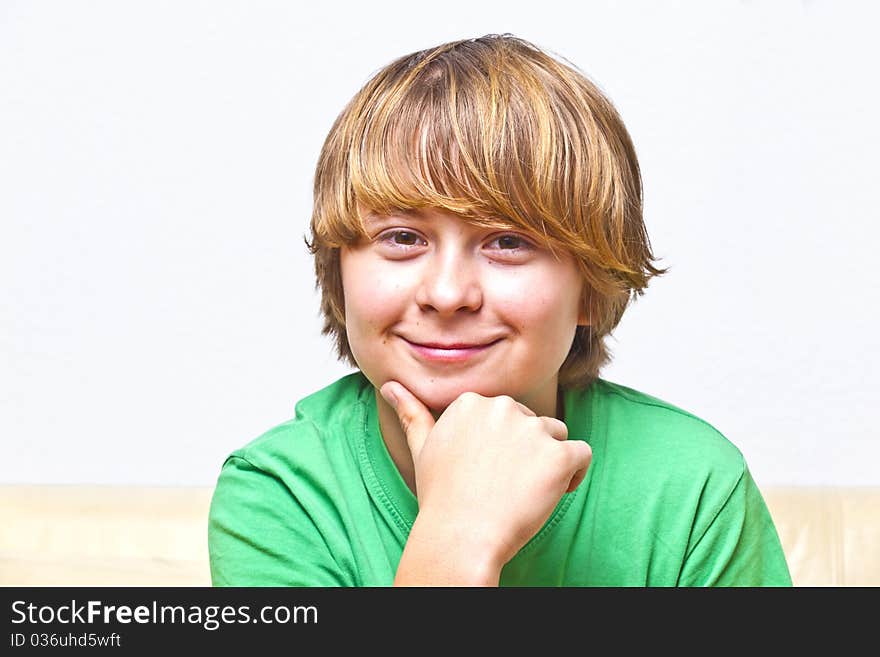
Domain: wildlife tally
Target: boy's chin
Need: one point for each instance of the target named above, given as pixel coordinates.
(437, 398)
(437, 395)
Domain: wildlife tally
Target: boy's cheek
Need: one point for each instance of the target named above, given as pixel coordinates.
(371, 307)
(366, 286)
(375, 298)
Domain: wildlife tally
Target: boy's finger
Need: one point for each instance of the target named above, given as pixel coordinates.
(582, 456)
(415, 419)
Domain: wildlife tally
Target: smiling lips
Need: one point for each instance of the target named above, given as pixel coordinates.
(448, 353)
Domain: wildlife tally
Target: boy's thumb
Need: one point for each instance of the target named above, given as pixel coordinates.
(415, 418)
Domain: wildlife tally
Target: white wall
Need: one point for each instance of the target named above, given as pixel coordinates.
(156, 160)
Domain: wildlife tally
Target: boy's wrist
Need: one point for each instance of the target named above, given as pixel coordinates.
(438, 553)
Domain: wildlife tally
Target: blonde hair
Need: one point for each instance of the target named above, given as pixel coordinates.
(496, 131)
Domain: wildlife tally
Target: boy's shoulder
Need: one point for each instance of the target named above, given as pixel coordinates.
(318, 417)
(642, 401)
(640, 422)
(327, 403)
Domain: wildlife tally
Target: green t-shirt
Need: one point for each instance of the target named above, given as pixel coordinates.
(667, 501)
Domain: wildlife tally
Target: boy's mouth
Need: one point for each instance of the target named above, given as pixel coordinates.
(450, 352)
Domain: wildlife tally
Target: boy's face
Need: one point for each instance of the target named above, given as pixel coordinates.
(445, 307)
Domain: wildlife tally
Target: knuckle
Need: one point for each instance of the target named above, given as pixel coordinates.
(559, 428)
(581, 451)
(586, 450)
(506, 402)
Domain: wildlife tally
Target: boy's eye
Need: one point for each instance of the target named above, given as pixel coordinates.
(510, 243)
(404, 238)
(400, 239)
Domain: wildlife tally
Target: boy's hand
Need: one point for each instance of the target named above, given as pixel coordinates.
(489, 472)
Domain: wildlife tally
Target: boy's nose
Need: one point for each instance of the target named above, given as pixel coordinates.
(449, 284)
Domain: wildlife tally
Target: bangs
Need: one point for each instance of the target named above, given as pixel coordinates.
(478, 139)
(430, 147)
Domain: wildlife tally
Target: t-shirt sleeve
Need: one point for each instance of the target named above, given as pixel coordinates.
(739, 546)
(260, 535)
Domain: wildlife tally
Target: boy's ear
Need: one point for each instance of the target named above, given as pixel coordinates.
(584, 315)
(583, 318)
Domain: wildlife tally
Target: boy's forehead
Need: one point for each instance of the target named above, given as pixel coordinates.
(425, 214)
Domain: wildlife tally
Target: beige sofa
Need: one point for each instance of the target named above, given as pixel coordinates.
(127, 536)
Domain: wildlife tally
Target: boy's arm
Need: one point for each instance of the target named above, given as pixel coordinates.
(260, 535)
(739, 546)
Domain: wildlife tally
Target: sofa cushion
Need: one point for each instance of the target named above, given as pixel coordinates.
(141, 536)
(830, 535)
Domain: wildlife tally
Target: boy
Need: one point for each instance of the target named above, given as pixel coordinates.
(477, 233)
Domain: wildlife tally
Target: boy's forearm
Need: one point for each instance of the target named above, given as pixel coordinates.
(437, 555)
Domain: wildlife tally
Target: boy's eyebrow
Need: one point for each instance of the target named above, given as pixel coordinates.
(373, 217)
